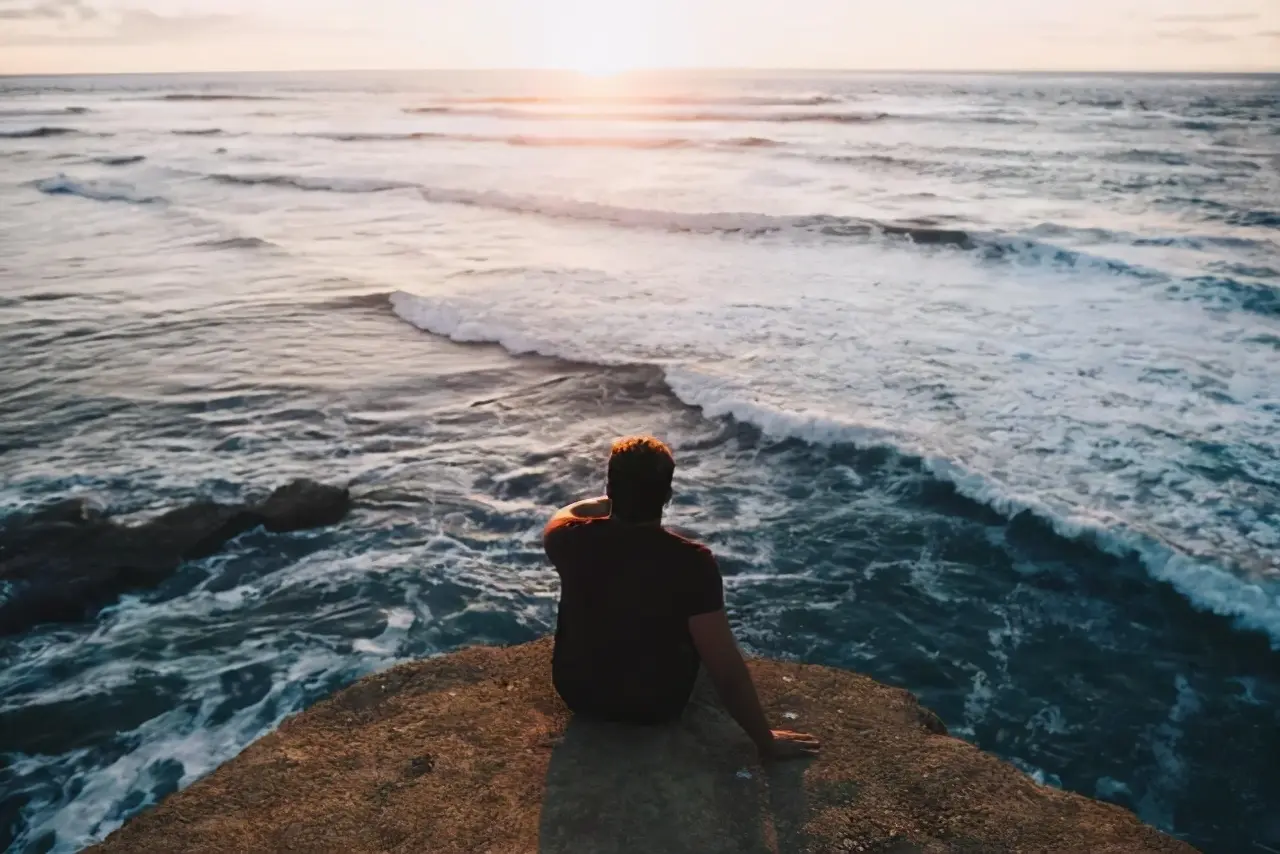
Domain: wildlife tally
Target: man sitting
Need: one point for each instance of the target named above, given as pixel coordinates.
(641, 607)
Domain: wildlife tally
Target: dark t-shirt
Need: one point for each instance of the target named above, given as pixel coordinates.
(623, 650)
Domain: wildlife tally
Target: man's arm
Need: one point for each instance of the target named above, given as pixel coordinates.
(713, 638)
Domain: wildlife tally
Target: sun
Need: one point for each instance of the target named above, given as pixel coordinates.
(599, 38)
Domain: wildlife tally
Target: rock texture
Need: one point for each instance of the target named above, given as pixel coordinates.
(303, 504)
(65, 561)
(473, 752)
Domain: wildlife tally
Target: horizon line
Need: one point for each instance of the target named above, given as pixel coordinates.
(673, 70)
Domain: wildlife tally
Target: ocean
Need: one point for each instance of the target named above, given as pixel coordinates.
(973, 384)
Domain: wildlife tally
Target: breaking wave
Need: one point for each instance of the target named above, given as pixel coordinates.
(1258, 298)
(119, 159)
(38, 133)
(313, 184)
(100, 191)
(1206, 586)
(237, 243)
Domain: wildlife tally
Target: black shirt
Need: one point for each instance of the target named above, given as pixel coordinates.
(623, 650)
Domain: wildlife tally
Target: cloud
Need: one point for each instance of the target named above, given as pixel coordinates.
(1220, 18)
(140, 26)
(46, 10)
(1195, 35)
(127, 27)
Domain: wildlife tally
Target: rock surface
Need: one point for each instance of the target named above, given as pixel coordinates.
(473, 752)
(65, 561)
(304, 504)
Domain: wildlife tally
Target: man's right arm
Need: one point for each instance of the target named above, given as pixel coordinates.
(713, 638)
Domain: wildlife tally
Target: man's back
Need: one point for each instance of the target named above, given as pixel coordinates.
(623, 649)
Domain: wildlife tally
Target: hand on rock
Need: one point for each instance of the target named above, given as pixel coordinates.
(789, 745)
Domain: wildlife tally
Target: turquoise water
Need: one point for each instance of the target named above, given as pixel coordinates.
(1024, 466)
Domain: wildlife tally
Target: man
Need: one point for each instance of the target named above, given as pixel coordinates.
(642, 607)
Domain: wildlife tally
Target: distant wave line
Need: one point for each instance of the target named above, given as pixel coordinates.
(39, 132)
(201, 96)
(535, 141)
(658, 100)
(666, 116)
(1223, 291)
(65, 111)
(789, 117)
(1257, 297)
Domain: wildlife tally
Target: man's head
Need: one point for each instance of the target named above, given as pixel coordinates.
(639, 481)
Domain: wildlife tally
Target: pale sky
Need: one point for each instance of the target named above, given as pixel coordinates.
(95, 36)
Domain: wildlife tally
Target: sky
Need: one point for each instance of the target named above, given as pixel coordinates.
(101, 36)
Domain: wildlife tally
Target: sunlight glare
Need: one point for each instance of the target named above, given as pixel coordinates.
(601, 38)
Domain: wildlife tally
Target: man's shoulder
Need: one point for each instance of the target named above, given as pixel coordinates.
(687, 542)
(568, 526)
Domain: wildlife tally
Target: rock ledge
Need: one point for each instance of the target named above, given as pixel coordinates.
(473, 752)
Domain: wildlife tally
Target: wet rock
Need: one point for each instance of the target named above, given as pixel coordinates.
(65, 561)
(70, 510)
(304, 504)
(195, 531)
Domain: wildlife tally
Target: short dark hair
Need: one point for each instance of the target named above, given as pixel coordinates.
(639, 480)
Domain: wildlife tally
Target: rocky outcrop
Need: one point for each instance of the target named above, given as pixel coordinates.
(65, 561)
(473, 752)
(303, 504)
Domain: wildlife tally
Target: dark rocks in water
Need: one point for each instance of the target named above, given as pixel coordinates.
(195, 531)
(65, 561)
(68, 510)
(304, 504)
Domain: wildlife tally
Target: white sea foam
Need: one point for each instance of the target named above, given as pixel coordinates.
(832, 366)
(992, 246)
(198, 746)
(1169, 771)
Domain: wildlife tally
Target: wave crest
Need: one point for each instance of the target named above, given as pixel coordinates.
(208, 96)
(38, 133)
(1256, 298)
(658, 100)
(119, 159)
(533, 141)
(32, 113)
(1207, 587)
(314, 184)
(651, 116)
(100, 191)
